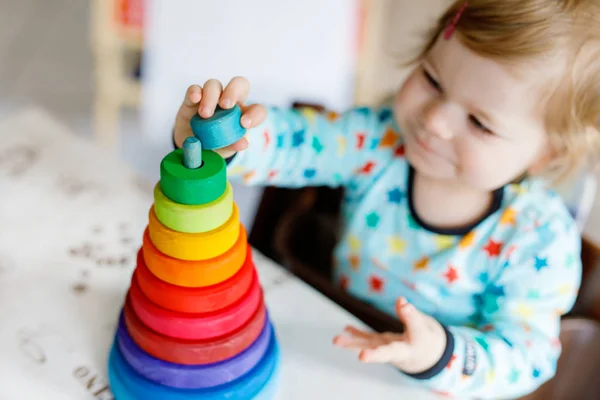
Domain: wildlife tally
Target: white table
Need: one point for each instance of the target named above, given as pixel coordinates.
(71, 222)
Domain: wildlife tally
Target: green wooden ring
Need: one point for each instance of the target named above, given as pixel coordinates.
(193, 218)
(193, 186)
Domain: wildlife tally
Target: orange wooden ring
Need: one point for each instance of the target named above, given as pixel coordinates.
(197, 352)
(196, 273)
(195, 326)
(194, 246)
(195, 300)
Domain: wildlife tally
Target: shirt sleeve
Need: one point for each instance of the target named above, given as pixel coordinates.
(515, 348)
(303, 147)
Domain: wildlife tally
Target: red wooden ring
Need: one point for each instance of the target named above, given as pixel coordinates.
(195, 326)
(195, 300)
(193, 352)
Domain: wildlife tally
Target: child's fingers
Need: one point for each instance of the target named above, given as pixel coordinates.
(395, 352)
(253, 115)
(358, 333)
(349, 342)
(236, 91)
(189, 106)
(211, 92)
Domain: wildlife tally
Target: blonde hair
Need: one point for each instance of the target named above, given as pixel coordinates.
(565, 33)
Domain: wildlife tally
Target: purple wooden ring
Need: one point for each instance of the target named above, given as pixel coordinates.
(192, 376)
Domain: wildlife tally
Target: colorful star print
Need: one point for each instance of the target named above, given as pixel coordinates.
(508, 217)
(493, 248)
(280, 141)
(395, 196)
(399, 151)
(354, 262)
(444, 242)
(467, 240)
(384, 115)
(482, 342)
(376, 284)
(354, 243)
(374, 143)
(524, 311)
(366, 168)
(344, 282)
(360, 140)
(298, 138)
(317, 145)
(310, 173)
(389, 138)
(421, 264)
(451, 274)
(272, 174)
(513, 377)
(267, 140)
(536, 373)
(341, 145)
(332, 116)
(373, 219)
(452, 359)
(309, 113)
(396, 245)
(544, 232)
(540, 263)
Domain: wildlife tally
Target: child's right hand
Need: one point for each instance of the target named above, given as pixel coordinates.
(204, 100)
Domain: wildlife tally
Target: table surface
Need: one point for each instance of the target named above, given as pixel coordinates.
(72, 219)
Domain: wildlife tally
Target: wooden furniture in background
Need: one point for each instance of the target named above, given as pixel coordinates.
(117, 41)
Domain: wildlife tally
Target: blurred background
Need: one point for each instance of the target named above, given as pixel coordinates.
(115, 71)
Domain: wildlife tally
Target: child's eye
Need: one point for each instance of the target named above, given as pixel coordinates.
(434, 84)
(479, 125)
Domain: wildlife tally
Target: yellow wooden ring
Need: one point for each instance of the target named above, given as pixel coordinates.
(194, 246)
(193, 218)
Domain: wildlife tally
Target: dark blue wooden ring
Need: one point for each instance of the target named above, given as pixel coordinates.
(220, 130)
(192, 376)
(258, 383)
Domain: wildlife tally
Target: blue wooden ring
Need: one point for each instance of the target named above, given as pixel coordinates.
(220, 130)
(192, 376)
(126, 384)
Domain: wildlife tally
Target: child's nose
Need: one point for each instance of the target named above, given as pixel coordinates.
(437, 120)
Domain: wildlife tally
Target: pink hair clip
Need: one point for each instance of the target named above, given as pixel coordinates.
(452, 25)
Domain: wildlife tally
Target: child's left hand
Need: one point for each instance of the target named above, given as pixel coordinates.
(416, 350)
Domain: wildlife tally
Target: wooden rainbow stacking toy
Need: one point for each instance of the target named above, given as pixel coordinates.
(194, 324)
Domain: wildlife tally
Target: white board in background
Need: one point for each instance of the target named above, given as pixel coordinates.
(289, 50)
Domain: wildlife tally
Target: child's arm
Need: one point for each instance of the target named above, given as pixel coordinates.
(294, 148)
(516, 346)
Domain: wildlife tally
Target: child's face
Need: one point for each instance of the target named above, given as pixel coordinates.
(470, 120)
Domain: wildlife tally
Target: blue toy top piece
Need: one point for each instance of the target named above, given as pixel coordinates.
(220, 130)
(192, 152)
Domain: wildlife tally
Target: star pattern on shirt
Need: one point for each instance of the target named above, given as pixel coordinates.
(272, 174)
(421, 264)
(267, 140)
(451, 361)
(399, 151)
(298, 138)
(540, 263)
(354, 261)
(372, 219)
(513, 376)
(366, 168)
(570, 260)
(317, 145)
(354, 243)
(310, 173)
(444, 242)
(390, 138)
(536, 372)
(344, 282)
(376, 284)
(360, 140)
(396, 245)
(524, 311)
(493, 248)
(508, 217)
(341, 145)
(451, 274)
(396, 195)
(280, 141)
(467, 240)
